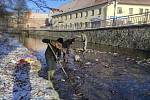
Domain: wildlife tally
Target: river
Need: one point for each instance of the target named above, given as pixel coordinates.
(108, 73)
(35, 43)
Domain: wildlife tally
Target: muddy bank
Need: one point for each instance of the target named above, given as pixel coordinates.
(19, 78)
(63, 85)
(113, 76)
(105, 76)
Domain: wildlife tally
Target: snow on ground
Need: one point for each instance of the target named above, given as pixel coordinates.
(19, 78)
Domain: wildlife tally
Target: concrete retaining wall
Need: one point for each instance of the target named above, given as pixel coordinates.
(137, 37)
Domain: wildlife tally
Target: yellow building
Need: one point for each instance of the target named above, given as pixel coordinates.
(81, 14)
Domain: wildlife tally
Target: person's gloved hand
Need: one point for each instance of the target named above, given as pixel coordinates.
(46, 40)
(59, 59)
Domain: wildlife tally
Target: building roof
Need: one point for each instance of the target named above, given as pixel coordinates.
(78, 4)
(101, 1)
(135, 2)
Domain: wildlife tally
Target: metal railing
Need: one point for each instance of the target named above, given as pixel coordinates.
(136, 19)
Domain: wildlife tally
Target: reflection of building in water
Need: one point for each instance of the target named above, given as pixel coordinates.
(34, 44)
(80, 14)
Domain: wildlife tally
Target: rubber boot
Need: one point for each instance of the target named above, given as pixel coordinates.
(50, 77)
(51, 74)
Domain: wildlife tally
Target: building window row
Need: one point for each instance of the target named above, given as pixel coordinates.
(78, 25)
(87, 13)
(77, 15)
(99, 11)
(141, 10)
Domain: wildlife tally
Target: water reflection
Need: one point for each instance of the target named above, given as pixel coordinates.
(35, 43)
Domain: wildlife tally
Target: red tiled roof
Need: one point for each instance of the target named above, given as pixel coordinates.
(101, 1)
(142, 2)
(78, 4)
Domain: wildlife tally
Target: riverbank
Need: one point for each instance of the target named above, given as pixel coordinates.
(111, 76)
(105, 76)
(98, 75)
(19, 78)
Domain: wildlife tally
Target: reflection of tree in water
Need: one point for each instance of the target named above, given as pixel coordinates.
(22, 85)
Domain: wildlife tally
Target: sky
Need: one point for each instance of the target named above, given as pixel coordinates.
(51, 3)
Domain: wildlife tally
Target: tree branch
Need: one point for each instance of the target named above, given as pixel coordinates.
(41, 4)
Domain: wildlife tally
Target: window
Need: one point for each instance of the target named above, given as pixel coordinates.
(146, 10)
(75, 25)
(86, 13)
(81, 24)
(86, 24)
(119, 10)
(66, 17)
(130, 10)
(70, 25)
(76, 15)
(92, 12)
(99, 11)
(81, 14)
(141, 10)
(70, 16)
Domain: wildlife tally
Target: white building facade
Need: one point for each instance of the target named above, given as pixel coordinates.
(97, 13)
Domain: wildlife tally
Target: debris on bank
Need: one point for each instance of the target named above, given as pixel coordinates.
(19, 78)
(93, 75)
(104, 76)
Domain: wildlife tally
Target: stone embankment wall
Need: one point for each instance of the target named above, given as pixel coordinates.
(137, 37)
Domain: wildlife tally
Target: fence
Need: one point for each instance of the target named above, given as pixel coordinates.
(135, 19)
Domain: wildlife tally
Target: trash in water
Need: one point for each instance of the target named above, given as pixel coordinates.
(96, 60)
(88, 63)
(77, 58)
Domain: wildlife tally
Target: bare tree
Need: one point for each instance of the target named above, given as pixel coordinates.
(21, 9)
(4, 4)
(41, 4)
(18, 9)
